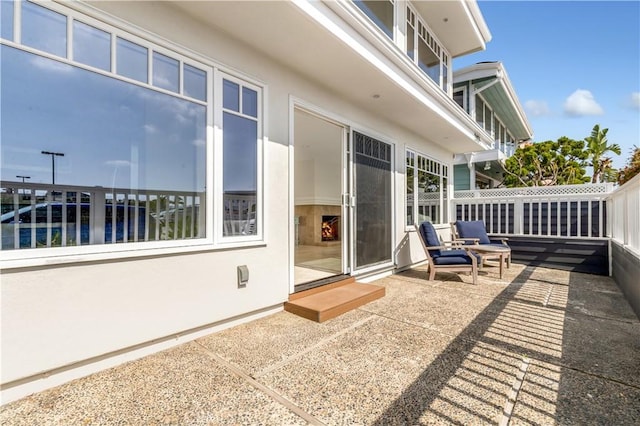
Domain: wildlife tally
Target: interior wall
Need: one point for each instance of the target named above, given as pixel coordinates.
(318, 160)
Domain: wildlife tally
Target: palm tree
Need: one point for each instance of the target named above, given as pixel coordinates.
(597, 146)
(607, 172)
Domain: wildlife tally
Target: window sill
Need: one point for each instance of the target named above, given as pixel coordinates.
(123, 253)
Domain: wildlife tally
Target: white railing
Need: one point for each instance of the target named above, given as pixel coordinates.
(624, 211)
(40, 215)
(558, 211)
(239, 214)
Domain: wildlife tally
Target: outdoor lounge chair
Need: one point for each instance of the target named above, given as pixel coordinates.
(474, 232)
(445, 257)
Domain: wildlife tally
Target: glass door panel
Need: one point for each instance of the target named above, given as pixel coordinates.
(319, 219)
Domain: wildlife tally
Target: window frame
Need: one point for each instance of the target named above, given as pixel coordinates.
(394, 8)
(117, 27)
(445, 73)
(465, 103)
(439, 169)
(219, 111)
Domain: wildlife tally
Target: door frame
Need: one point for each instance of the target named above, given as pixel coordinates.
(348, 200)
(296, 104)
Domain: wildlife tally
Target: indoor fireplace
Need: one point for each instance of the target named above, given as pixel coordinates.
(330, 228)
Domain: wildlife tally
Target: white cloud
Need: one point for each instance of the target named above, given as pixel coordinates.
(118, 163)
(581, 102)
(635, 100)
(537, 108)
(51, 65)
(150, 128)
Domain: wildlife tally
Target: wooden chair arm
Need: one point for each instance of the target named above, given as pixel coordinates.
(465, 248)
(463, 240)
(503, 240)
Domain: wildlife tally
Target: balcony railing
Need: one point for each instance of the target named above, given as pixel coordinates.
(624, 210)
(40, 215)
(559, 211)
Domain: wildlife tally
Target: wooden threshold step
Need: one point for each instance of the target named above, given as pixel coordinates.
(336, 300)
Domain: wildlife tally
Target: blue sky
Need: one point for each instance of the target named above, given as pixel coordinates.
(573, 64)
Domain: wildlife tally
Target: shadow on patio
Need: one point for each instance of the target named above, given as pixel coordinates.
(540, 347)
(552, 348)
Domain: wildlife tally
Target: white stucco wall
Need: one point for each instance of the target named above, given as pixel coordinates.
(60, 315)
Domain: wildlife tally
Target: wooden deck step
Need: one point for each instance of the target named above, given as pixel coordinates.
(323, 303)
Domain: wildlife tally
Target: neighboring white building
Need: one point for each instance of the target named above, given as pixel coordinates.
(155, 152)
(485, 92)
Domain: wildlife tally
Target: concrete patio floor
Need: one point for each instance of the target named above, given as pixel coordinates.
(540, 346)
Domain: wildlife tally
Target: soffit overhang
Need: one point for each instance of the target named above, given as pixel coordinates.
(489, 163)
(490, 79)
(348, 57)
(458, 24)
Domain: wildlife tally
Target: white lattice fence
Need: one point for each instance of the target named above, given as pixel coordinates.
(562, 211)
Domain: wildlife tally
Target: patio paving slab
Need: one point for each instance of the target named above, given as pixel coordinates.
(600, 301)
(389, 372)
(449, 311)
(552, 394)
(515, 351)
(260, 345)
(603, 347)
(179, 386)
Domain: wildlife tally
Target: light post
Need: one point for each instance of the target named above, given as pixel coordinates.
(53, 163)
(23, 177)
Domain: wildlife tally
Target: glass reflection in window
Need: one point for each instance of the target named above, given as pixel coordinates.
(195, 83)
(91, 46)
(428, 61)
(166, 72)
(380, 12)
(240, 161)
(249, 102)
(231, 96)
(132, 60)
(6, 13)
(113, 134)
(428, 197)
(44, 29)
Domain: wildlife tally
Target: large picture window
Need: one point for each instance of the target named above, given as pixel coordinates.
(427, 197)
(98, 147)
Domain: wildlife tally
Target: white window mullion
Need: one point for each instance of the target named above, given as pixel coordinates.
(181, 77)
(17, 20)
(150, 66)
(113, 54)
(69, 38)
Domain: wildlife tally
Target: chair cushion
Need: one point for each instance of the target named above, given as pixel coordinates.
(473, 229)
(430, 237)
(455, 252)
(452, 260)
(458, 253)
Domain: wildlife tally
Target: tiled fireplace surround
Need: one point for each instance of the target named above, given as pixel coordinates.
(310, 223)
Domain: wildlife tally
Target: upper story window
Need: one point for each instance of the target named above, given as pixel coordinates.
(381, 12)
(427, 182)
(426, 51)
(460, 97)
(104, 137)
(484, 115)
